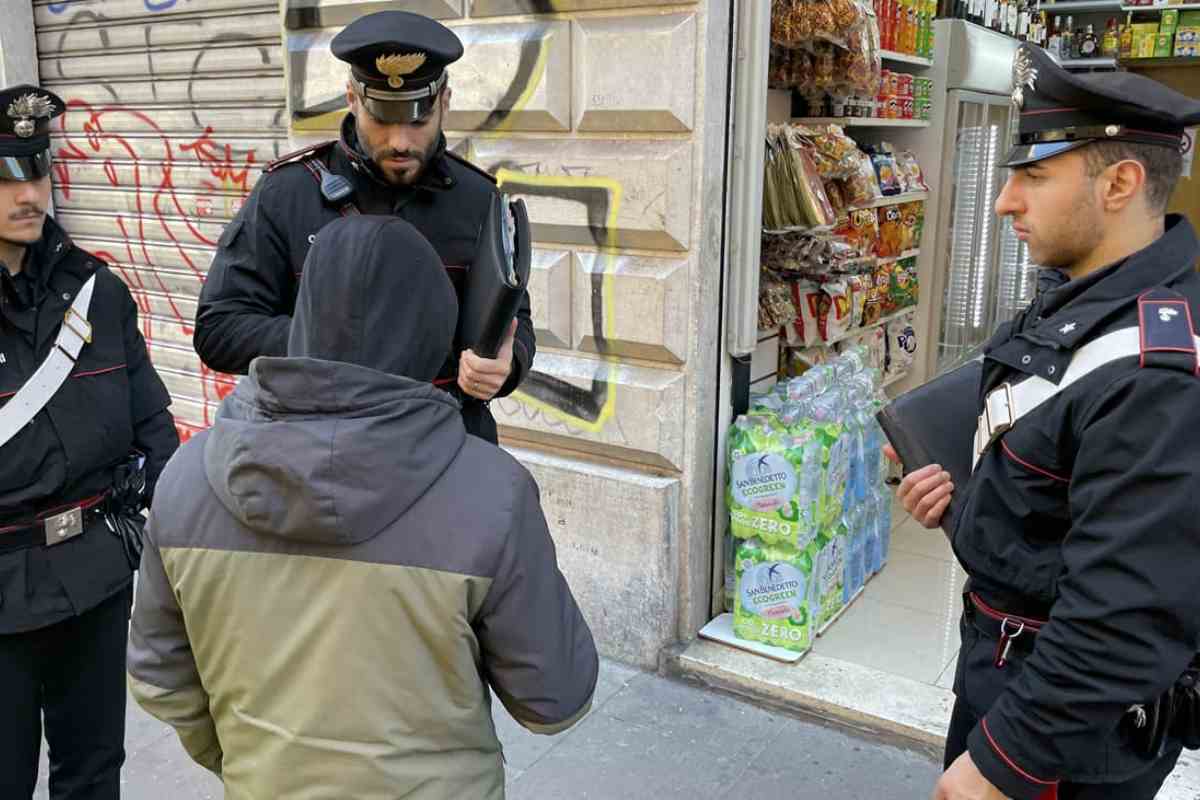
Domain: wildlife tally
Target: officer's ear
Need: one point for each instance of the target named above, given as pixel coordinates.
(445, 100)
(1121, 184)
(351, 99)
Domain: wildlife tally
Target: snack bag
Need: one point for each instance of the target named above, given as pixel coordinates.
(902, 284)
(775, 307)
(912, 178)
(834, 311)
(772, 595)
(886, 170)
(909, 212)
(863, 184)
(804, 330)
(891, 232)
(902, 345)
(883, 284)
(858, 300)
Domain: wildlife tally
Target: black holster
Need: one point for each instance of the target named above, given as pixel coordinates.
(123, 507)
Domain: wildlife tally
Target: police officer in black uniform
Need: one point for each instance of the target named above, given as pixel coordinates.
(391, 159)
(81, 410)
(1079, 529)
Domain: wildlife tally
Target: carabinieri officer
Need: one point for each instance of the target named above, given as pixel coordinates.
(1079, 528)
(84, 432)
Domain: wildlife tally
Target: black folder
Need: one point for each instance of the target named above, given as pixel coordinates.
(497, 280)
(935, 424)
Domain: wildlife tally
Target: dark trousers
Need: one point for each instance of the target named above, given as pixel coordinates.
(983, 685)
(73, 672)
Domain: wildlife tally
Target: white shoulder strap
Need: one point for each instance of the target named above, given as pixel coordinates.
(1007, 404)
(74, 333)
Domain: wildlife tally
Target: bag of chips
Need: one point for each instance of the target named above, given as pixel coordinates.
(883, 283)
(890, 182)
(891, 232)
(902, 284)
(863, 184)
(909, 172)
(833, 314)
(908, 225)
(804, 330)
(775, 308)
(858, 299)
(902, 345)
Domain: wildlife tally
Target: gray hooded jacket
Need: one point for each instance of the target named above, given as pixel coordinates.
(336, 572)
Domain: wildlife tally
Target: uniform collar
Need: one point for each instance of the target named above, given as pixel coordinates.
(41, 258)
(1068, 313)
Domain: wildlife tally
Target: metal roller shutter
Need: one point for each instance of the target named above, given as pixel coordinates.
(174, 106)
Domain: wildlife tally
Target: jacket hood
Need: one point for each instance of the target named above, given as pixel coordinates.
(375, 293)
(328, 452)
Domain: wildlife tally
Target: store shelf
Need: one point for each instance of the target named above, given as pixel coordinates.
(893, 200)
(1079, 6)
(905, 58)
(1160, 7)
(1176, 61)
(894, 379)
(861, 329)
(901, 257)
(1088, 63)
(861, 122)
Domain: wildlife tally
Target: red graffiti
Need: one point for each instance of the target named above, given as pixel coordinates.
(157, 222)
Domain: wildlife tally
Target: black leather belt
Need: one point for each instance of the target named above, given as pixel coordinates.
(1009, 630)
(53, 527)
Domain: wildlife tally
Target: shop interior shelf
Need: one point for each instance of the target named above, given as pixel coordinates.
(1083, 63)
(862, 122)
(1180, 7)
(895, 379)
(1078, 6)
(893, 200)
(864, 328)
(905, 58)
(1179, 61)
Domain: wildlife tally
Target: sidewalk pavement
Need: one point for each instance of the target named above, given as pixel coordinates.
(646, 738)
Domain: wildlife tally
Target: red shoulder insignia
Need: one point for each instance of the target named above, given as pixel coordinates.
(470, 166)
(312, 151)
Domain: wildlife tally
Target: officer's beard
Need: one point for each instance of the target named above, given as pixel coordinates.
(409, 175)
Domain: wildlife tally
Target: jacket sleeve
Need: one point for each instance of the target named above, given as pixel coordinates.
(154, 432)
(1127, 619)
(524, 349)
(244, 308)
(538, 653)
(162, 670)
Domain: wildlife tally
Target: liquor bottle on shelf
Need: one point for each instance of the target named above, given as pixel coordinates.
(1054, 37)
(1111, 44)
(1125, 47)
(1066, 40)
(1089, 44)
(1076, 43)
(1014, 17)
(1023, 22)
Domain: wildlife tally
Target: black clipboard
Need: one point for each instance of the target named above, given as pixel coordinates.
(498, 278)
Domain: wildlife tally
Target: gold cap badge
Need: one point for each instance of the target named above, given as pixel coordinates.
(394, 66)
(26, 109)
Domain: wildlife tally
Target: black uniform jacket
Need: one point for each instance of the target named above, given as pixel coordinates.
(1087, 513)
(113, 403)
(249, 295)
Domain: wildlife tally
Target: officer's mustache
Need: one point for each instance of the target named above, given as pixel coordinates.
(398, 154)
(26, 212)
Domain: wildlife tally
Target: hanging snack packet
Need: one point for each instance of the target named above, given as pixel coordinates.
(902, 284)
(883, 284)
(908, 221)
(902, 345)
(858, 300)
(833, 318)
(805, 330)
(910, 172)
(771, 600)
(891, 232)
(885, 169)
(775, 308)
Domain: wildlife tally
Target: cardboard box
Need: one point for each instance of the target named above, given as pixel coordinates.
(1163, 42)
(1187, 50)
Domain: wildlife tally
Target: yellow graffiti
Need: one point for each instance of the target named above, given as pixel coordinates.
(606, 290)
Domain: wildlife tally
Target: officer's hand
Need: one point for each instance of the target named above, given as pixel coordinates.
(964, 781)
(925, 494)
(482, 378)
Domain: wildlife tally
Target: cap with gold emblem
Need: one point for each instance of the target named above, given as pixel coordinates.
(397, 62)
(25, 115)
(1061, 110)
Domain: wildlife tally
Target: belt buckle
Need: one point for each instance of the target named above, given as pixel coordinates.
(995, 421)
(64, 526)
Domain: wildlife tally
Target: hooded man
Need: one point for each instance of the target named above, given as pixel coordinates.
(335, 572)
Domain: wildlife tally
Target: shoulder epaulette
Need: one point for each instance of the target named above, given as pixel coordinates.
(490, 177)
(312, 151)
(1166, 332)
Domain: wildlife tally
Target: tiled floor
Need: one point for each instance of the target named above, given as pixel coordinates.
(906, 622)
